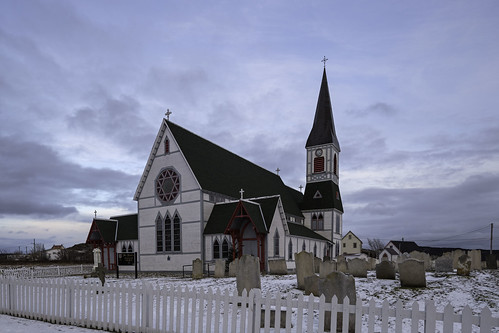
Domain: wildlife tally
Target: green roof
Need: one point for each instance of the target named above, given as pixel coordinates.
(107, 229)
(220, 171)
(127, 227)
(261, 212)
(322, 195)
(297, 229)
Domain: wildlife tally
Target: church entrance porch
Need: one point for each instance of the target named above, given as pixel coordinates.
(245, 228)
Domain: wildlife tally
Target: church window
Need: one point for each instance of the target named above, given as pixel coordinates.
(167, 185)
(319, 164)
(314, 222)
(315, 250)
(290, 250)
(276, 244)
(176, 233)
(123, 248)
(338, 223)
(159, 234)
(130, 248)
(167, 146)
(303, 247)
(325, 251)
(225, 249)
(320, 222)
(168, 232)
(335, 165)
(216, 249)
(337, 248)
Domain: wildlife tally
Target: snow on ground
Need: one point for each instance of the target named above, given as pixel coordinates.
(477, 291)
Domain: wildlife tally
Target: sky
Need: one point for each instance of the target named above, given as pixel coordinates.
(84, 87)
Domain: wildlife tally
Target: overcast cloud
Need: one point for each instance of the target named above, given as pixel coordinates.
(84, 87)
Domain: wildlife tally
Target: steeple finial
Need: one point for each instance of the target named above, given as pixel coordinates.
(324, 61)
(167, 114)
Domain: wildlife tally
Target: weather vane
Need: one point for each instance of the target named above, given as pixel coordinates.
(167, 114)
(324, 61)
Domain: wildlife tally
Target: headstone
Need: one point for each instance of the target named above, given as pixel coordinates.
(101, 273)
(278, 267)
(412, 273)
(476, 259)
(219, 268)
(248, 274)
(443, 264)
(341, 285)
(304, 267)
(491, 261)
(326, 268)
(317, 264)
(197, 269)
(233, 267)
(97, 258)
(371, 264)
(357, 267)
(341, 265)
(455, 257)
(385, 270)
(464, 265)
(424, 257)
(312, 285)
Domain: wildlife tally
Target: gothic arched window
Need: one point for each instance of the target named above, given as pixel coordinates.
(168, 233)
(130, 247)
(314, 222)
(335, 165)
(319, 164)
(176, 233)
(167, 146)
(315, 250)
(216, 249)
(320, 222)
(159, 234)
(225, 249)
(276, 244)
(290, 250)
(303, 247)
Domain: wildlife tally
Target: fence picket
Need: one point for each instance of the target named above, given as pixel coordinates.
(149, 308)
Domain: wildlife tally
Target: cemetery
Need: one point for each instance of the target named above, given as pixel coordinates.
(390, 297)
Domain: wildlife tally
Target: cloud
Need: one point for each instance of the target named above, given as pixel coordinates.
(36, 181)
(380, 108)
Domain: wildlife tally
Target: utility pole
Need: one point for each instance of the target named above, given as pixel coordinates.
(491, 234)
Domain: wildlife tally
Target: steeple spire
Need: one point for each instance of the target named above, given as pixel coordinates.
(323, 131)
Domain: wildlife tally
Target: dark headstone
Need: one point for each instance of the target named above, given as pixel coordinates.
(491, 261)
(385, 270)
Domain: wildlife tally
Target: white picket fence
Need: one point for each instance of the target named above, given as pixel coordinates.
(127, 307)
(44, 272)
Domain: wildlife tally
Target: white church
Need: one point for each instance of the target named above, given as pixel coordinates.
(196, 199)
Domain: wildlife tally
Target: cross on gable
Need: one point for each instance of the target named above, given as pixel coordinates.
(167, 114)
(242, 191)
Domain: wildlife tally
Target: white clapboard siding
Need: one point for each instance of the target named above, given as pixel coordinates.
(127, 307)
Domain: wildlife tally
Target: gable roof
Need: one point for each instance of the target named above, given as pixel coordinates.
(329, 197)
(127, 227)
(297, 229)
(106, 231)
(260, 210)
(221, 171)
(404, 246)
(350, 232)
(323, 131)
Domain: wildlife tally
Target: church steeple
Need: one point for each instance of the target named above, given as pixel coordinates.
(323, 131)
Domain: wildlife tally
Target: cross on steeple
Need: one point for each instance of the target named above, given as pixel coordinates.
(242, 191)
(277, 171)
(167, 114)
(95, 214)
(324, 61)
(300, 187)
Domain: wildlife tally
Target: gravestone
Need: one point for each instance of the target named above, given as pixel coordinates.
(412, 273)
(424, 257)
(385, 270)
(100, 271)
(491, 261)
(455, 257)
(197, 269)
(371, 264)
(341, 285)
(464, 265)
(326, 268)
(341, 265)
(312, 285)
(317, 264)
(233, 267)
(97, 258)
(357, 267)
(278, 267)
(476, 259)
(443, 264)
(304, 267)
(219, 268)
(248, 273)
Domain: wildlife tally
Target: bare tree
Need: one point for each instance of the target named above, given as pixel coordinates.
(376, 245)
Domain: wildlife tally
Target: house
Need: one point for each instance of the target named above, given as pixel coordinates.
(196, 199)
(394, 249)
(114, 236)
(351, 244)
(55, 253)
